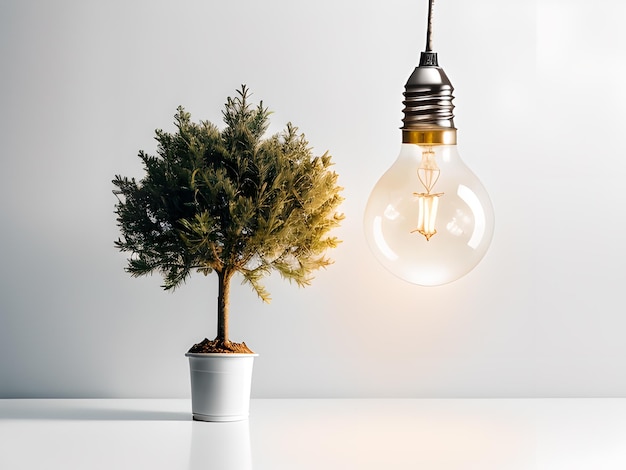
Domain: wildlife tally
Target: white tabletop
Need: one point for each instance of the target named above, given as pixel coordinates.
(299, 434)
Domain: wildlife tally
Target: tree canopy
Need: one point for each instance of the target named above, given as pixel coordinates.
(229, 201)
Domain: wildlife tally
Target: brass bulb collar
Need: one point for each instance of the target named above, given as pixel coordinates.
(441, 136)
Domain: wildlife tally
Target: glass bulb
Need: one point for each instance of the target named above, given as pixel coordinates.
(429, 219)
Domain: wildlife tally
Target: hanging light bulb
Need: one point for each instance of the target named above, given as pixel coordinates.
(429, 219)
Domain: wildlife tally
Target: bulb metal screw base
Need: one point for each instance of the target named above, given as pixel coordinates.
(428, 98)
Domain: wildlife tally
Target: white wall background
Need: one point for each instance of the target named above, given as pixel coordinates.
(540, 102)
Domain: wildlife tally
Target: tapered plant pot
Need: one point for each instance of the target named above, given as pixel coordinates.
(220, 385)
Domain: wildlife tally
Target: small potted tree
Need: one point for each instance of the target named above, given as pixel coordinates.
(232, 202)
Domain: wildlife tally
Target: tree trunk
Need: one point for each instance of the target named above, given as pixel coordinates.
(223, 299)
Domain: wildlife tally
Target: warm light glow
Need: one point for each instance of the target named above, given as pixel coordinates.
(428, 204)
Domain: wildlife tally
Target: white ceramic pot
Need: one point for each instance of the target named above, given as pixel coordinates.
(220, 386)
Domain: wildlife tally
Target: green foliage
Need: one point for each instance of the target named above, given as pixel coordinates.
(229, 201)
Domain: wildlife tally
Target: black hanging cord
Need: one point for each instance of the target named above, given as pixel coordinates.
(428, 57)
(429, 29)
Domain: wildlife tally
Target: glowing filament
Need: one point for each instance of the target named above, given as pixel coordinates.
(428, 202)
